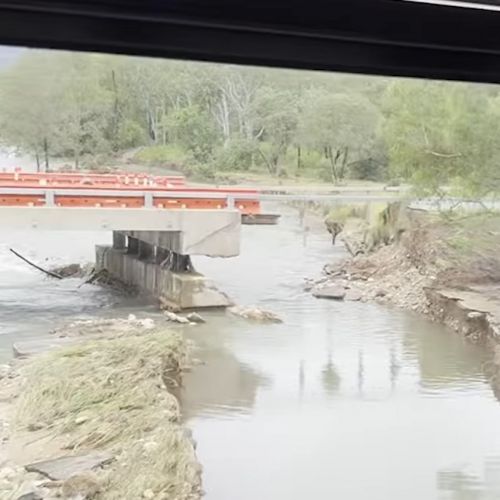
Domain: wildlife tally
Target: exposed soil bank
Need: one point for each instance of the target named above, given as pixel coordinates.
(446, 268)
(100, 414)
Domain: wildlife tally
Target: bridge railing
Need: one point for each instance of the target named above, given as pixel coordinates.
(246, 201)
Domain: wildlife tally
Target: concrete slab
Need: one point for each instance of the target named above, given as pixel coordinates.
(30, 348)
(184, 231)
(63, 468)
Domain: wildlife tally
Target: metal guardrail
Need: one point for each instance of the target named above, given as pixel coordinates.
(51, 194)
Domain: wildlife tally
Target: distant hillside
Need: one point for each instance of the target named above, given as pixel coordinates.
(9, 55)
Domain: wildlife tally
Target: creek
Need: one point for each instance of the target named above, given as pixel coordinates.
(342, 400)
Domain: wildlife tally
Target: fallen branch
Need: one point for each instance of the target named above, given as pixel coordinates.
(48, 273)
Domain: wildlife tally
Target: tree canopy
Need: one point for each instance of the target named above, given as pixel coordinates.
(214, 118)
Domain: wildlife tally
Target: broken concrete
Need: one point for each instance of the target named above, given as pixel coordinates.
(63, 468)
(30, 348)
(335, 292)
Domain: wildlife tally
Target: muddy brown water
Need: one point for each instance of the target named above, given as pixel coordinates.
(342, 400)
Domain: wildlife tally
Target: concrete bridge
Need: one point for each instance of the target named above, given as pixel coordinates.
(156, 225)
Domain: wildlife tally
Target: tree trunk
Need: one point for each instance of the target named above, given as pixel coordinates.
(116, 108)
(37, 158)
(299, 158)
(266, 161)
(333, 163)
(46, 154)
(275, 164)
(344, 163)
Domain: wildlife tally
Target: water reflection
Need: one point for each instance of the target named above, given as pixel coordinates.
(222, 385)
(461, 484)
(344, 398)
(330, 377)
(445, 360)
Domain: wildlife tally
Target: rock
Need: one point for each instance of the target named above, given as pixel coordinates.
(255, 314)
(147, 324)
(132, 317)
(353, 295)
(195, 318)
(63, 468)
(475, 315)
(175, 318)
(334, 292)
(380, 293)
(148, 494)
(81, 486)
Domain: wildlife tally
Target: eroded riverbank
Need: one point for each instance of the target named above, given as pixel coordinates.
(446, 268)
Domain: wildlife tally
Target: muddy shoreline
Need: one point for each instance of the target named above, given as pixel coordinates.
(412, 274)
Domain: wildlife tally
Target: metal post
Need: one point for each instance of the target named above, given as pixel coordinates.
(49, 198)
(148, 200)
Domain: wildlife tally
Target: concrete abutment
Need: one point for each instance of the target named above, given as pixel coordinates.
(158, 271)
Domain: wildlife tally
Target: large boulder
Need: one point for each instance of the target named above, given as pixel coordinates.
(335, 292)
(255, 314)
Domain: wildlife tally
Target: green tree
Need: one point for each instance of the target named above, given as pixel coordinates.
(276, 119)
(441, 134)
(30, 105)
(192, 128)
(342, 126)
(86, 108)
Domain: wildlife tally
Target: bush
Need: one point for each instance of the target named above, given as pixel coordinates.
(238, 154)
(164, 155)
(368, 169)
(130, 135)
(200, 171)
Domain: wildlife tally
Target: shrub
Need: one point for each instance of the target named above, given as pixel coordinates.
(238, 154)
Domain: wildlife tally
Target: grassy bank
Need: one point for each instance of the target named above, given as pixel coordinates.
(113, 394)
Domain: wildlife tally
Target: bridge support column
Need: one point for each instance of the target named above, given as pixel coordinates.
(161, 255)
(119, 241)
(145, 250)
(132, 246)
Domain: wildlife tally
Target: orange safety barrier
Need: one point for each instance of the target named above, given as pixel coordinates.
(203, 202)
(97, 190)
(97, 181)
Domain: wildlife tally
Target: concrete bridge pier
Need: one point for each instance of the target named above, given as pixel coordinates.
(159, 263)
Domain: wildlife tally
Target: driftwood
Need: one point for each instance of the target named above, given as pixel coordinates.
(48, 273)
